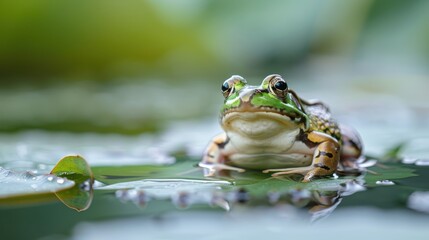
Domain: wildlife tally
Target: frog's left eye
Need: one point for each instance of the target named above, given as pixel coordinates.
(278, 86)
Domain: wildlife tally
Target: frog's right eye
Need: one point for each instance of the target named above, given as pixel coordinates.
(227, 88)
(232, 84)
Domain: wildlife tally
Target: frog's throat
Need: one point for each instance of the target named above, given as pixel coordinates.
(281, 115)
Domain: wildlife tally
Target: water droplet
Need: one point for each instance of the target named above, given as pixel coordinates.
(422, 162)
(409, 160)
(60, 180)
(50, 178)
(385, 182)
(34, 186)
(86, 185)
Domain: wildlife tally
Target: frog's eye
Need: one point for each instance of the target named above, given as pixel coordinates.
(278, 86)
(232, 84)
(227, 88)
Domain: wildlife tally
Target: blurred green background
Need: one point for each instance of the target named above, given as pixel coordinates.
(130, 66)
(153, 70)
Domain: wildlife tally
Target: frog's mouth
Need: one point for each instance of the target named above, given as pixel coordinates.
(258, 124)
(281, 115)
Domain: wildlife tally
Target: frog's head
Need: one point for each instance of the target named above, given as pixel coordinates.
(261, 111)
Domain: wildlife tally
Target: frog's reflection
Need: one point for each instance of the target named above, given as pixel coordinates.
(323, 203)
(320, 202)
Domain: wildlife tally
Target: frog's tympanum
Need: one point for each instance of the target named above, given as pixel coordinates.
(270, 128)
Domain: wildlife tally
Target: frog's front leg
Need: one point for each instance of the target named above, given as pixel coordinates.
(325, 159)
(213, 159)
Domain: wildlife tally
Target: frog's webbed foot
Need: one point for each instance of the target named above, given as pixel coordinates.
(211, 169)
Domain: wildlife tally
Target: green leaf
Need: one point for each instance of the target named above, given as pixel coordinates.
(77, 169)
(390, 172)
(73, 164)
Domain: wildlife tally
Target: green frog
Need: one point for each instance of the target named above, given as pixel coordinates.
(270, 128)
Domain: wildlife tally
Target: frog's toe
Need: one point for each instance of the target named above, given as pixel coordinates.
(279, 172)
(306, 172)
(314, 173)
(308, 177)
(211, 169)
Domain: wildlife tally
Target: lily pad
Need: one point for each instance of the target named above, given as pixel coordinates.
(391, 172)
(13, 184)
(142, 183)
(70, 181)
(184, 169)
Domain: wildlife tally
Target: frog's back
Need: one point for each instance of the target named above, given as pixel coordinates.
(321, 119)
